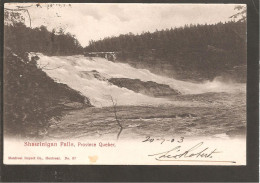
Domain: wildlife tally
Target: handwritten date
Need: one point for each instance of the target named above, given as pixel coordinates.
(162, 140)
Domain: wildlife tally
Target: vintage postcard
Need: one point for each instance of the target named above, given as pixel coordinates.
(125, 84)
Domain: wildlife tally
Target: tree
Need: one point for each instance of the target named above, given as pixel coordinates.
(240, 15)
(15, 15)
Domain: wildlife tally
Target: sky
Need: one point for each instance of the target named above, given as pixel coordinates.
(92, 21)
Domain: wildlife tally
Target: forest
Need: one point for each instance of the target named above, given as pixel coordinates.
(204, 50)
(22, 39)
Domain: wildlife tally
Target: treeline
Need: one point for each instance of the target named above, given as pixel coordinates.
(22, 39)
(205, 50)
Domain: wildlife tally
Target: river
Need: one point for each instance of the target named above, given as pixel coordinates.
(209, 108)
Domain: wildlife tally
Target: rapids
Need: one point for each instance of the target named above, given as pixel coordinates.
(75, 72)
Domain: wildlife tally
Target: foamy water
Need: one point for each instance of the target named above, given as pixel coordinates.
(70, 70)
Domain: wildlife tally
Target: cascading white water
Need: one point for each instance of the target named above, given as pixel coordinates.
(71, 70)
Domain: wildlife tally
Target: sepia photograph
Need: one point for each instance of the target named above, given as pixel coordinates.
(129, 84)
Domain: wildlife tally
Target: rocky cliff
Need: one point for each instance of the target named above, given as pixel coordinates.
(31, 98)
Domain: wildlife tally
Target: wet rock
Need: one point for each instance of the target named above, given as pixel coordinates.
(93, 74)
(149, 88)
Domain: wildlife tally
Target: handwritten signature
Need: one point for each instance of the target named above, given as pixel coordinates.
(197, 151)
